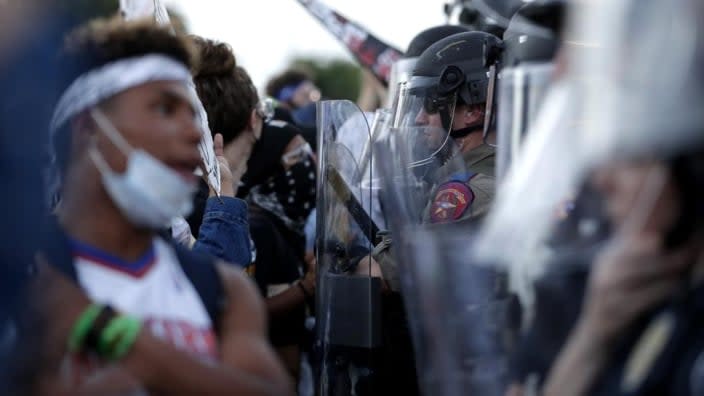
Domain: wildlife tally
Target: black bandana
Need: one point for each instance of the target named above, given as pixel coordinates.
(288, 194)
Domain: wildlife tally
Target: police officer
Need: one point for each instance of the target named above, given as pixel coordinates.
(551, 302)
(639, 332)
(639, 329)
(443, 116)
(448, 107)
(451, 97)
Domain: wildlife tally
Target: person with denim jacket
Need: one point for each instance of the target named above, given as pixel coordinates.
(224, 228)
(235, 116)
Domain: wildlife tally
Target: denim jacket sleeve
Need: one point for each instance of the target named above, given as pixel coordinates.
(225, 231)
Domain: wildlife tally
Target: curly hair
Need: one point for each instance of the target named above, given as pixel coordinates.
(224, 88)
(102, 41)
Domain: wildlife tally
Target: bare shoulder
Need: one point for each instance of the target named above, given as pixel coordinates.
(243, 299)
(244, 344)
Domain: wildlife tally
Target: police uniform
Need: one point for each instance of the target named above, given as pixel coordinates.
(464, 195)
(458, 69)
(457, 197)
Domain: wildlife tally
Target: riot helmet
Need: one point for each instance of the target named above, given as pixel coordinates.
(534, 31)
(619, 114)
(457, 73)
(531, 42)
(490, 16)
(402, 69)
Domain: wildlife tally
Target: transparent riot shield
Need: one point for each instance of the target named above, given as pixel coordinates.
(460, 313)
(521, 93)
(348, 298)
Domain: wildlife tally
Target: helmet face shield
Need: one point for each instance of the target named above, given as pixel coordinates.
(428, 115)
(401, 72)
(521, 93)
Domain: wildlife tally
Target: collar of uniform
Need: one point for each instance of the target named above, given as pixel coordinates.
(477, 155)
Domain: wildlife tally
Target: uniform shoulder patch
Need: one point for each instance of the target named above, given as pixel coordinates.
(451, 201)
(462, 177)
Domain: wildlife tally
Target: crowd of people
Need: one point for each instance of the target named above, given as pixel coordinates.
(523, 216)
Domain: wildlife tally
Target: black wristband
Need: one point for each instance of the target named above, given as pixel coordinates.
(101, 321)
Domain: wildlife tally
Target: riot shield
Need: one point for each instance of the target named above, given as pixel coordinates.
(348, 300)
(461, 315)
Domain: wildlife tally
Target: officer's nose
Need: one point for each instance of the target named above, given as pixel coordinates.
(421, 117)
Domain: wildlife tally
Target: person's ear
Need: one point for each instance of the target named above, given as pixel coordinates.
(84, 130)
(83, 123)
(473, 114)
(256, 124)
(253, 119)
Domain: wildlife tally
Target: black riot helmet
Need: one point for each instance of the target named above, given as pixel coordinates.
(531, 42)
(430, 36)
(490, 16)
(402, 69)
(533, 35)
(459, 69)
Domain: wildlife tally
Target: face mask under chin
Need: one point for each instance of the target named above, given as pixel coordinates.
(149, 194)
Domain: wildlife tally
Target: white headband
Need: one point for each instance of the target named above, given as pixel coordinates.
(106, 81)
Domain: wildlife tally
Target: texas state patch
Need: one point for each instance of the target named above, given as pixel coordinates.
(450, 203)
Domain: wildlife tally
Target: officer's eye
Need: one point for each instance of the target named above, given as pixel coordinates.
(433, 105)
(430, 106)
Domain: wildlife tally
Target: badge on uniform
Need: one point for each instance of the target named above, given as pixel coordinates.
(451, 201)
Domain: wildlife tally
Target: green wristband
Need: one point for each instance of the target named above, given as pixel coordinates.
(110, 335)
(127, 340)
(119, 335)
(82, 327)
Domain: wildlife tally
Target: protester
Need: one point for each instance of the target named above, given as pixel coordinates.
(235, 119)
(280, 189)
(127, 149)
(295, 92)
(264, 154)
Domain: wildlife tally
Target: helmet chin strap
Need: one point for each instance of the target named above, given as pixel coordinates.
(462, 132)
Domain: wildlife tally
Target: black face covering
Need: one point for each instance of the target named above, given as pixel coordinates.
(265, 161)
(289, 195)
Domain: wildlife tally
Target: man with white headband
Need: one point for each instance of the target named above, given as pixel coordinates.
(127, 146)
